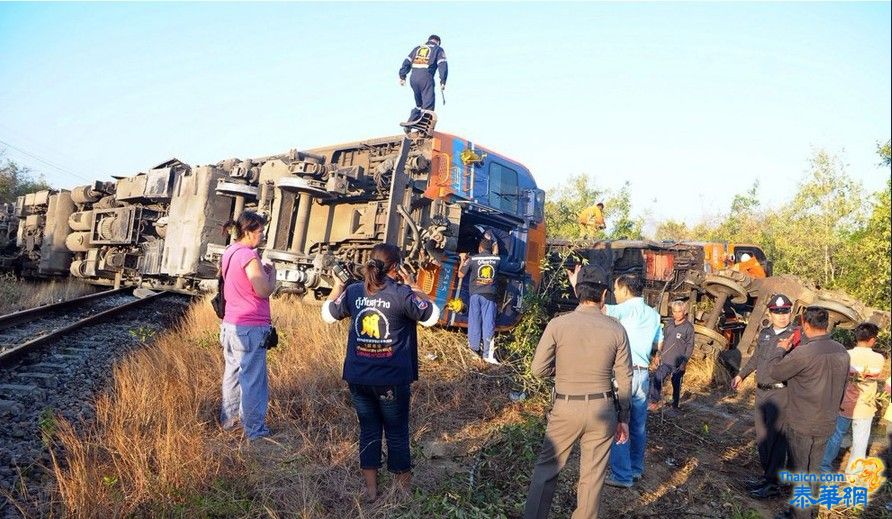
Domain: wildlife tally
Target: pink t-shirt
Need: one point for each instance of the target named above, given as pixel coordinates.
(243, 305)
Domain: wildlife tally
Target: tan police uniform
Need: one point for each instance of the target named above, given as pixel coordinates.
(583, 350)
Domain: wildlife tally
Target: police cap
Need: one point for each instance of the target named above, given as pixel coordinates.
(780, 304)
(594, 275)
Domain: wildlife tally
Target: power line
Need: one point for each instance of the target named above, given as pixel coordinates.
(48, 163)
(35, 147)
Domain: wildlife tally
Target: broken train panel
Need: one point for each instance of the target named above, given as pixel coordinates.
(432, 197)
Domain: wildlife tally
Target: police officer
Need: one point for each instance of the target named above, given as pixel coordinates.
(382, 358)
(771, 399)
(424, 60)
(816, 374)
(482, 268)
(583, 350)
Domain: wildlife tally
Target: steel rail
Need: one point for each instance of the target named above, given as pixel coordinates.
(22, 316)
(16, 351)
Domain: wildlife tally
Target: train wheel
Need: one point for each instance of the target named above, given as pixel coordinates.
(841, 314)
(707, 342)
(236, 189)
(721, 284)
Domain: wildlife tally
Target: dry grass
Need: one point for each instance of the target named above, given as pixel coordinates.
(18, 295)
(156, 450)
(156, 447)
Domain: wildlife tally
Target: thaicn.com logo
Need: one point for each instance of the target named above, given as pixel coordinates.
(837, 490)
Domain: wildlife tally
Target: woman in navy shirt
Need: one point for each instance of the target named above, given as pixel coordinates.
(382, 358)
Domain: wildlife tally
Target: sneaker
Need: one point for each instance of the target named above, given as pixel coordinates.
(618, 484)
(653, 406)
(491, 359)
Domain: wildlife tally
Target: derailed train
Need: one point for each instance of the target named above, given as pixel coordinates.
(432, 196)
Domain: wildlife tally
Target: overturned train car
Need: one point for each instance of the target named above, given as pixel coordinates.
(433, 197)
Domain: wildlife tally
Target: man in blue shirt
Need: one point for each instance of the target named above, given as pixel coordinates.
(424, 61)
(645, 331)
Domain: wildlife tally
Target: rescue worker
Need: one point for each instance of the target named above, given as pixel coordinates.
(815, 373)
(483, 268)
(673, 356)
(382, 358)
(582, 350)
(645, 331)
(591, 219)
(771, 399)
(423, 61)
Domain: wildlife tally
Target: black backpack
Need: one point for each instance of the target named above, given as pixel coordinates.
(219, 300)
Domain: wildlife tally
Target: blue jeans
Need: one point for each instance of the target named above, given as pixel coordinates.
(387, 408)
(860, 439)
(481, 324)
(627, 459)
(245, 383)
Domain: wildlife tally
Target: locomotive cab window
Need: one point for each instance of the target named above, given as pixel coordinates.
(503, 192)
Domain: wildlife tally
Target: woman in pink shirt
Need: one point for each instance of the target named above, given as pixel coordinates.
(247, 286)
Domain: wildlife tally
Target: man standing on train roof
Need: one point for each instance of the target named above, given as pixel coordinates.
(423, 61)
(771, 399)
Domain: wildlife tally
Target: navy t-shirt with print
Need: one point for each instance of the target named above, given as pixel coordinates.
(482, 269)
(382, 347)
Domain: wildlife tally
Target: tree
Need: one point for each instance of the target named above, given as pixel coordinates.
(564, 203)
(16, 180)
(810, 232)
(743, 223)
(670, 230)
(621, 225)
(865, 259)
(885, 153)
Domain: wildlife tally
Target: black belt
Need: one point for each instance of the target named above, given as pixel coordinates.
(590, 396)
(776, 385)
(640, 368)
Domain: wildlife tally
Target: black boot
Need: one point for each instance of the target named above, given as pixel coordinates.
(753, 484)
(766, 491)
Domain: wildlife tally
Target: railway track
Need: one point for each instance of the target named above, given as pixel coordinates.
(54, 360)
(27, 330)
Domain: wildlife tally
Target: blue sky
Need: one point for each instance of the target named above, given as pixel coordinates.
(688, 102)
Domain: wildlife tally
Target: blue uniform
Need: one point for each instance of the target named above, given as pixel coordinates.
(423, 61)
(381, 363)
(480, 269)
(382, 347)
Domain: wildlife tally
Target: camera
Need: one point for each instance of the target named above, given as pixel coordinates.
(340, 271)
